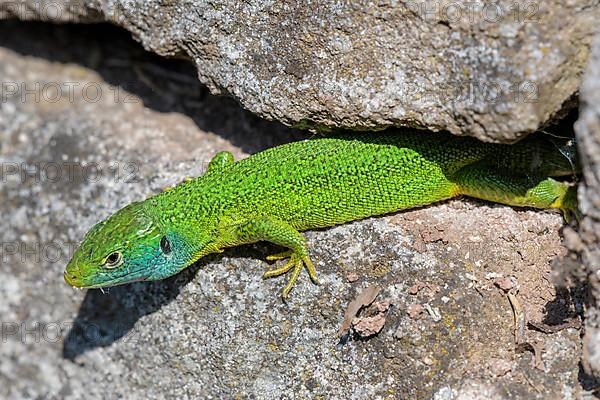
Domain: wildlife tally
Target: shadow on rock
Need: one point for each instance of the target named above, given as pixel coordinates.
(164, 85)
(566, 306)
(104, 318)
(589, 383)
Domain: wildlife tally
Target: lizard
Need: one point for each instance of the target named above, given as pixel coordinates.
(275, 194)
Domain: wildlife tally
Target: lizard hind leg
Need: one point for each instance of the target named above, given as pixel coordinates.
(567, 203)
(222, 160)
(485, 182)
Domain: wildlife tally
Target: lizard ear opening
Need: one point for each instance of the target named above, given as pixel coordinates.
(165, 245)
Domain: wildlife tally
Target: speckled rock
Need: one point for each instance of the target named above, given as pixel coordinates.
(217, 330)
(587, 247)
(493, 70)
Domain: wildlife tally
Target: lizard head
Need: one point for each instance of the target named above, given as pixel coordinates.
(126, 247)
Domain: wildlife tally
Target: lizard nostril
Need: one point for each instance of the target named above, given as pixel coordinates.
(69, 278)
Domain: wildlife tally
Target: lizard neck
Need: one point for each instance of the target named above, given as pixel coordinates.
(186, 218)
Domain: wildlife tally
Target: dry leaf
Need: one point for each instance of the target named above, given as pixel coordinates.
(365, 298)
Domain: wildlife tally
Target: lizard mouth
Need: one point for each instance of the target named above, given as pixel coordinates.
(71, 279)
(76, 280)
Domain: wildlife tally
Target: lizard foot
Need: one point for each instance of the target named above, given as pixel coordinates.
(296, 262)
(568, 205)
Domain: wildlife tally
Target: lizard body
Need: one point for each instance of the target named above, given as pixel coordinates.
(274, 194)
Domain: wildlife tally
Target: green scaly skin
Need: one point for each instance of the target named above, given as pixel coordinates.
(311, 184)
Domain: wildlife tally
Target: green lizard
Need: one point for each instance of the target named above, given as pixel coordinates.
(274, 194)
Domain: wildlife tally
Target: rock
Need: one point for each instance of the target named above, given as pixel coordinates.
(494, 71)
(50, 10)
(352, 276)
(415, 311)
(217, 330)
(372, 320)
(587, 249)
(499, 367)
(369, 326)
(507, 283)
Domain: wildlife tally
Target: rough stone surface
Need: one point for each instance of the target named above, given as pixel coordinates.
(494, 70)
(50, 10)
(217, 330)
(587, 247)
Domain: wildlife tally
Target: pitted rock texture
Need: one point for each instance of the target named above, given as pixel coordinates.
(217, 330)
(588, 245)
(493, 70)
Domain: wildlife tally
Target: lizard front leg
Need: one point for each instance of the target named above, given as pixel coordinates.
(276, 231)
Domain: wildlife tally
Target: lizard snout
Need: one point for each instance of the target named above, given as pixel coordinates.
(72, 276)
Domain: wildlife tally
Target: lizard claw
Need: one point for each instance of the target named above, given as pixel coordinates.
(280, 256)
(295, 263)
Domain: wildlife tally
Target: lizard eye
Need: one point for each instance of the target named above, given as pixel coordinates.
(165, 246)
(113, 260)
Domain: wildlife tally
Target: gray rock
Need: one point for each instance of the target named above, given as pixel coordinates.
(217, 330)
(496, 71)
(50, 10)
(587, 247)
